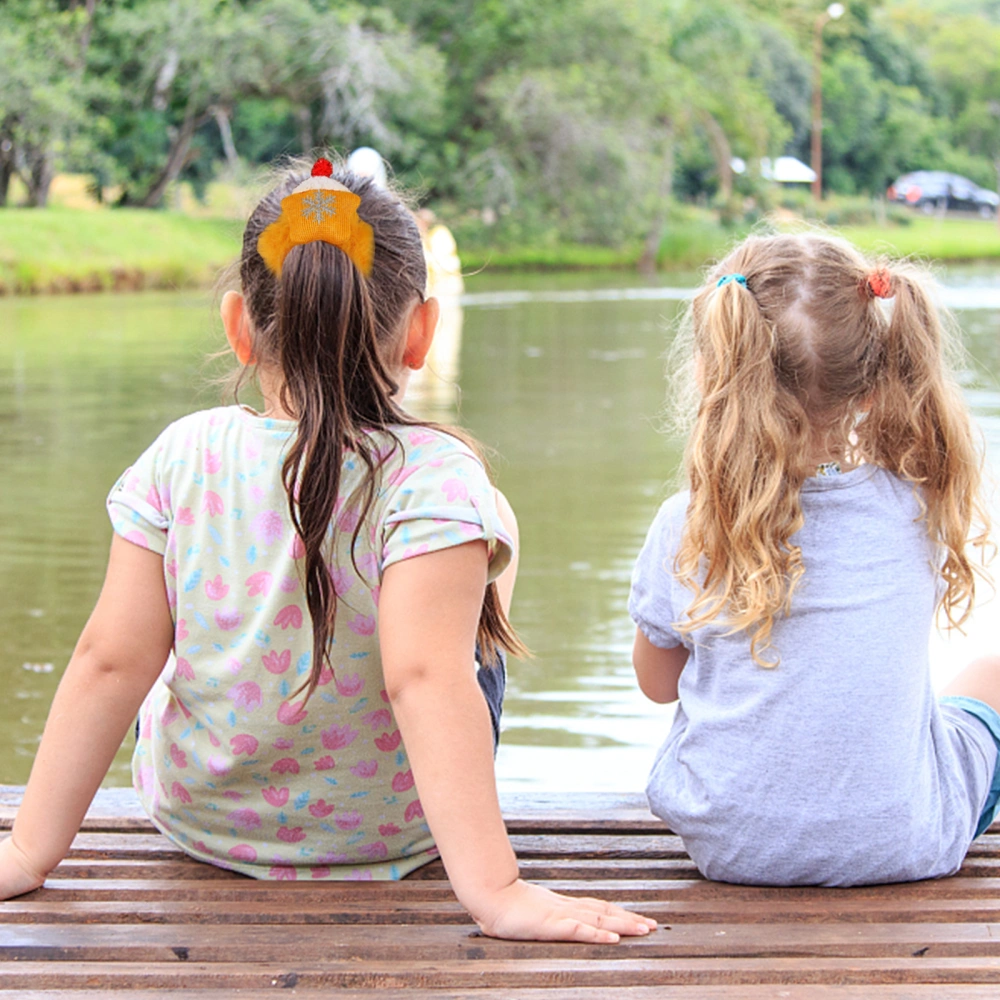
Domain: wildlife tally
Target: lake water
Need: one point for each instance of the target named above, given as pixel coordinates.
(560, 373)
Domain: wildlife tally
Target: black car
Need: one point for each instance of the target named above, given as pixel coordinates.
(935, 190)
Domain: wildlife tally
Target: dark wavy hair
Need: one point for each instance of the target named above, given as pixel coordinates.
(335, 337)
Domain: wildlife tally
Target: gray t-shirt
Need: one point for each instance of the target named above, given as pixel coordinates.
(837, 767)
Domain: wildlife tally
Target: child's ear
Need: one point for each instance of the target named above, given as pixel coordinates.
(237, 326)
(420, 335)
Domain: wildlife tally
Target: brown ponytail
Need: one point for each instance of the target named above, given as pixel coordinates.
(332, 334)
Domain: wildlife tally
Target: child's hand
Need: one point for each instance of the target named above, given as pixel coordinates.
(522, 911)
(16, 873)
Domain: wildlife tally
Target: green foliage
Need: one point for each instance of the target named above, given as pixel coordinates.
(523, 123)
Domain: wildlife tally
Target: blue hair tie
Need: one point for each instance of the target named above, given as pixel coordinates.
(726, 278)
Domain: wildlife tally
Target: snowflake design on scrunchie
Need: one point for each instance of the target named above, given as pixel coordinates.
(319, 206)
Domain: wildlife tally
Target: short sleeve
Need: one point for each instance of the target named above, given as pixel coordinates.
(651, 601)
(439, 499)
(137, 503)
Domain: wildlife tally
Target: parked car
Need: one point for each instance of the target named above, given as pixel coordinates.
(935, 190)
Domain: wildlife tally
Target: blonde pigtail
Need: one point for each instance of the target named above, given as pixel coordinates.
(918, 427)
(745, 466)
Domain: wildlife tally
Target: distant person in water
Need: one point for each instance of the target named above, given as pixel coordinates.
(322, 575)
(786, 598)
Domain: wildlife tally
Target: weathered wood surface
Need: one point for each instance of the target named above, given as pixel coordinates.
(129, 914)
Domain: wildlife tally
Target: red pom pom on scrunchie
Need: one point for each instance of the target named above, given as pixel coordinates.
(322, 168)
(879, 284)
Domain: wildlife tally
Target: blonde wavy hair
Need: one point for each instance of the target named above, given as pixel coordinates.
(802, 360)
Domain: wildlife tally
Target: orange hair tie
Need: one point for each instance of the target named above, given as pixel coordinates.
(880, 284)
(319, 209)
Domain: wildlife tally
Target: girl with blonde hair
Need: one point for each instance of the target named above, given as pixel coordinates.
(787, 597)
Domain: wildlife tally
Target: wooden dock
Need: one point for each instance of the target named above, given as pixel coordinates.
(130, 914)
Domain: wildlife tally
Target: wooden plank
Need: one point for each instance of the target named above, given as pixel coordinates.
(207, 943)
(477, 974)
(783, 991)
(395, 910)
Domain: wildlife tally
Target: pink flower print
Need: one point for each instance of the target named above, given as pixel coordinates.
(212, 504)
(389, 830)
(338, 737)
(234, 665)
(320, 872)
(178, 756)
(418, 438)
(376, 594)
(258, 583)
(359, 875)
(218, 765)
(146, 778)
(184, 516)
(246, 695)
(290, 614)
(267, 526)
(403, 781)
(401, 475)
(184, 669)
(291, 835)
(325, 764)
(232, 794)
(171, 568)
(384, 695)
(374, 852)
(289, 584)
(388, 742)
(291, 715)
(455, 489)
(213, 461)
(283, 744)
(332, 858)
(287, 765)
(178, 791)
(216, 589)
(228, 620)
(282, 873)
(349, 520)
(183, 708)
(212, 738)
(170, 714)
(343, 580)
(368, 564)
(365, 769)
(277, 663)
(413, 811)
(418, 551)
(146, 729)
(181, 632)
(349, 820)
(297, 549)
(379, 719)
(255, 491)
(243, 852)
(350, 685)
(137, 538)
(362, 625)
(244, 819)
(325, 676)
(244, 743)
(320, 809)
(276, 797)
(153, 499)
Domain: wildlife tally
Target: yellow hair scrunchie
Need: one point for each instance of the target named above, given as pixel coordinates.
(323, 214)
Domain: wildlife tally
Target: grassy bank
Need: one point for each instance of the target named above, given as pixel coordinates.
(71, 250)
(68, 250)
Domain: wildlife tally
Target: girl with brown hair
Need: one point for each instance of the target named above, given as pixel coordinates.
(786, 598)
(321, 576)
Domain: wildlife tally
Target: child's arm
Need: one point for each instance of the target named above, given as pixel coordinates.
(657, 670)
(119, 655)
(428, 613)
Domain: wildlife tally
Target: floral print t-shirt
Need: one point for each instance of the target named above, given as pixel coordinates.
(229, 763)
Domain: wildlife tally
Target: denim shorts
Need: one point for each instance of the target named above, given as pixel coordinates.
(493, 682)
(989, 717)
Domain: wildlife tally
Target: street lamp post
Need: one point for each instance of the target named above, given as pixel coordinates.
(831, 13)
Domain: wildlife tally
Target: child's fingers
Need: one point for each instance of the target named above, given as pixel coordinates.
(630, 919)
(568, 929)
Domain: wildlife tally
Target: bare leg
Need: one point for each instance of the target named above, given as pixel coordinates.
(506, 580)
(980, 680)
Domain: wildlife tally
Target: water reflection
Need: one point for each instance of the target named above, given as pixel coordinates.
(561, 374)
